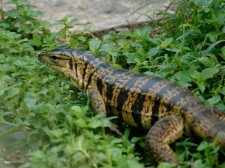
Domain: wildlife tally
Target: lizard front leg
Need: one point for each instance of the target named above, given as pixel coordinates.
(164, 132)
(98, 106)
(96, 102)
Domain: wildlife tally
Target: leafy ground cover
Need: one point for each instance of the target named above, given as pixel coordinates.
(186, 47)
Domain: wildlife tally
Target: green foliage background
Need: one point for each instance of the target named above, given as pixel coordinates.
(186, 47)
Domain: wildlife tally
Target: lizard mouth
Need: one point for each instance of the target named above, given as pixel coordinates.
(41, 56)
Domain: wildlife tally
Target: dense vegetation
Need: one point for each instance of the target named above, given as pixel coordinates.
(186, 47)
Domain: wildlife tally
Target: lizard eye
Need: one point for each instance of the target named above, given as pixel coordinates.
(54, 58)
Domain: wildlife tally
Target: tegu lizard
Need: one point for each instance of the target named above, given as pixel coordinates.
(165, 109)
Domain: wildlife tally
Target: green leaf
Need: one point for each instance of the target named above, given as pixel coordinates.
(205, 74)
(198, 164)
(81, 123)
(201, 77)
(95, 124)
(209, 73)
(30, 99)
(166, 165)
(77, 111)
(201, 85)
(94, 45)
(203, 3)
(134, 164)
(62, 33)
(12, 13)
(166, 42)
(183, 78)
(143, 33)
(195, 74)
(214, 100)
(72, 22)
(209, 62)
(153, 51)
(204, 145)
(213, 35)
(222, 90)
(13, 92)
(223, 52)
(155, 41)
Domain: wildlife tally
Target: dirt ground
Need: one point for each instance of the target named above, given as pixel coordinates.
(97, 15)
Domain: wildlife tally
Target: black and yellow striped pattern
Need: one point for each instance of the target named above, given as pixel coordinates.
(142, 101)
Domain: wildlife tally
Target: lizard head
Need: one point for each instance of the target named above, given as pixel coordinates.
(59, 58)
(66, 61)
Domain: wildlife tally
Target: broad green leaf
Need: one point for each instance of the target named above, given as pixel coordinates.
(153, 51)
(109, 48)
(223, 52)
(30, 99)
(62, 33)
(198, 164)
(20, 63)
(222, 90)
(143, 33)
(201, 85)
(81, 123)
(155, 41)
(95, 124)
(3, 83)
(56, 133)
(214, 100)
(94, 45)
(209, 73)
(195, 74)
(166, 165)
(72, 22)
(12, 13)
(131, 58)
(209, 62)
(213, 35)
(77, 111)
(182, 78)
(134, 164)
(166, 42)
(203, 3)
(13, 92)
(205, 74)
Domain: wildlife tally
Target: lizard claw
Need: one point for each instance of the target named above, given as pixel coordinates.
(113, 128)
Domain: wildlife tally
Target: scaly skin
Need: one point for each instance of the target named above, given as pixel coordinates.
(164, 108)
